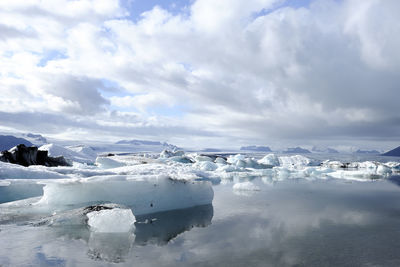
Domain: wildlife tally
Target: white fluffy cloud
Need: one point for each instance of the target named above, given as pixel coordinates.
(232, 72)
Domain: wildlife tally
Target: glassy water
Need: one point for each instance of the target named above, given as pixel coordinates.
(290, 223)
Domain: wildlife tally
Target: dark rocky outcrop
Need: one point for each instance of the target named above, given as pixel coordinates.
(27, 156)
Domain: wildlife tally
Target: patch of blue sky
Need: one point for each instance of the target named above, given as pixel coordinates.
(187, 66)
(137, 7)
(8, 54)
(51, 55)
(111, 88)
(284, 3)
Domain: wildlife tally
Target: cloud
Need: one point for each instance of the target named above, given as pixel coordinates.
(261, 71)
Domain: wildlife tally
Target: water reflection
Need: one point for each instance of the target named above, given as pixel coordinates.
(156, 228)
(110, 247)
(293, 223)
(159, 228)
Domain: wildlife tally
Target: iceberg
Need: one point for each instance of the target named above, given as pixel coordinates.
(143, 194)
(220, 160)
(108, 163)
(206, 165)
(270, 159)
(56, 151)
(294, 161)
(203, 158)
(114, 220)
(167, 153)
(14, 171)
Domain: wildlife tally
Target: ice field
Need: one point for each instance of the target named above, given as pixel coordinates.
(175, 208)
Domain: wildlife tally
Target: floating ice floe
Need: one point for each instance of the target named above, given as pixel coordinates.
(14, 171)
(108, 163)
(143, 194)
(246, 186)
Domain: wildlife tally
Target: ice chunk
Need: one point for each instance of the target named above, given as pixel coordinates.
(294, 161)
(143, 193)
(108, 163)
(14, 171)
(206, 165)
(383, 170)
(167, 154)
(229, 168)
(181, 159)
(269, 159)
(69, 154)
(220, 160)
(281, 173)
(393, 165)
(4, 183)
(233, 159)
(246, 186)
(111, 220)
(202, 158)
(316, 172)
(357, 175)
(368, 165)
(333, 164)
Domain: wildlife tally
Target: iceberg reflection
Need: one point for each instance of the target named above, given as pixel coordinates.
(156, 228)
(161, 227)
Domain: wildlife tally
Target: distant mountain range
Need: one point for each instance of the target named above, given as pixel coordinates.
(9, 141)
(324, 150)
(297, 150)
(146, 143)
(393, 153)
(256, 148)
(211, 150)
(359, 151)
(37, 139)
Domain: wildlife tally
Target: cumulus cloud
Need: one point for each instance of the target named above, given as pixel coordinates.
(260, 71)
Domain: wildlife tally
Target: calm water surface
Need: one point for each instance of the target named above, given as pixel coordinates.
(291, 223)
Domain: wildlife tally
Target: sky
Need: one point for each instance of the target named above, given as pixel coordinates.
(203, 73)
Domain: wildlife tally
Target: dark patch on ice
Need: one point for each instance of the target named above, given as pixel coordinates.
(96, 208)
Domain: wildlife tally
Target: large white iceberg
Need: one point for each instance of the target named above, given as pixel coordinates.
(143, 194)
(55, 151)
